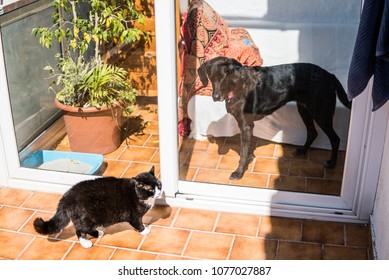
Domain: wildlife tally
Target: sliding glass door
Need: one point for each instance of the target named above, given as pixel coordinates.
(276, 180)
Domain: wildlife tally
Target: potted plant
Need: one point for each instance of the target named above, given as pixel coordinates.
(92, 94)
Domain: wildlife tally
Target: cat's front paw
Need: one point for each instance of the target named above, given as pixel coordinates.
(86, 243)
(146, 231)
(101, 233)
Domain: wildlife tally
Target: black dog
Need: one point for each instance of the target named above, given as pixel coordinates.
(251, 93)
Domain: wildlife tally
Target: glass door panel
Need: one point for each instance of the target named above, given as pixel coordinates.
(41, 135)
(265, 33)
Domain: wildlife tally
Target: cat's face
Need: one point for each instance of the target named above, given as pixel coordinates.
(148, 185)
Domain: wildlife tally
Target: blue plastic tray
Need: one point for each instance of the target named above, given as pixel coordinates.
(36, 159)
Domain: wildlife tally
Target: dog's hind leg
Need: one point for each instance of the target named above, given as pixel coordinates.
(326, 126)
(311, 130)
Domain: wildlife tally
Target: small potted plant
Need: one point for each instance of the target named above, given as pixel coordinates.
(92, 94)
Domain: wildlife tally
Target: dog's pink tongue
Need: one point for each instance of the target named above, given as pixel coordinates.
(230, 95)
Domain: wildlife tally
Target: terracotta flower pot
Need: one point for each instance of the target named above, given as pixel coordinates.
(92, 130)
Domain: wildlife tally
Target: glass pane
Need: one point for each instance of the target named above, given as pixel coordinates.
(46, 138)
(32, 105)
(250, 116)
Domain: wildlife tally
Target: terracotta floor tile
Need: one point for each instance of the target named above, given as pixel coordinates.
(139, 154)
(13, 218)
(12, 244)
(231, 162)
(121, 235)
(94, 253)
(45, 249)
(187, 173)
(287, 183)
(115, 154)
(344, 253)
(196, 219)
(232, 145)
(152, 127)
(115, 168)
(137, 140)
(323, 232)
(247, 248)
(29, 228)
(216, 144)
(64, 145)
(265, 149)
(299, 251)
(213, 176)
(334, 174)
(43, 201)
(156, 158)
(209, 246)
(256, 180)
(165, 240)
(152, 141)
(286, 151)
(323, 186)
(357, 235)
(136, 168)
(190, 144)
(13, 197)
(238, 224)
(271, 165)
(203, 159)
(150, 114)
(319, 155)
(132, 255)
(160, 215)
(305, 168)
(280, 228)
(171, 257)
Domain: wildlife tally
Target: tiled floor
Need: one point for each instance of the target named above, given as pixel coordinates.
(274, 166)
(177, 233)
(181, 233)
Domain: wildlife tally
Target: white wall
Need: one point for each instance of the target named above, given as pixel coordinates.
(380, 217)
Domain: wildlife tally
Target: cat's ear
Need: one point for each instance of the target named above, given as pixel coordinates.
(152, 170)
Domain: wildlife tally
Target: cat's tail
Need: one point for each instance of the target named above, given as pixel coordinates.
(54, 225)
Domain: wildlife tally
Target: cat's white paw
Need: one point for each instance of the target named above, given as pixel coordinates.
(146, 231)
(101, 233)
(86, 243)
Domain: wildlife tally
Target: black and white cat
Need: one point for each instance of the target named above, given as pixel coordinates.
(103, 202)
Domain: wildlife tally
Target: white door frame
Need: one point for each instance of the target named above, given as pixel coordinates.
(366, 141)
(363, 160)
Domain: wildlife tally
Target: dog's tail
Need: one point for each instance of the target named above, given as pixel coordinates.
(54, 225)
(342, 95)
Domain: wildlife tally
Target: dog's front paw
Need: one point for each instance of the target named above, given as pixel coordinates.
(329, 165)
(236, 175)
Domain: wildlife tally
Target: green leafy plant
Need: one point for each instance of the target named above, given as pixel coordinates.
(84, 27)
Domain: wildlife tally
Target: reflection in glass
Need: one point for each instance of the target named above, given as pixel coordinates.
(273, 33)
(42, 139)
(33, 107)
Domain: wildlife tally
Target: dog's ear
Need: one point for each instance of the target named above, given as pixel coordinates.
(203, 74)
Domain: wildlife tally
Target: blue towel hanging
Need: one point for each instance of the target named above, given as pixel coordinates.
(371, 53)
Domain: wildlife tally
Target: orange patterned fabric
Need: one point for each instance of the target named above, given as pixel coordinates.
(205, 35)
